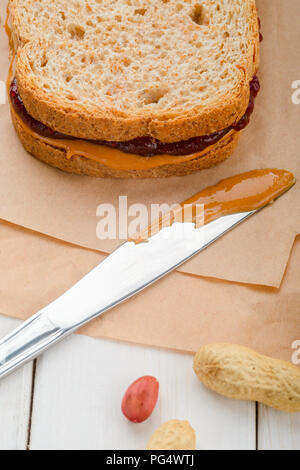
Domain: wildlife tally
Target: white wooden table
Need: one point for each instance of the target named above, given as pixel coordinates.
(70, 399)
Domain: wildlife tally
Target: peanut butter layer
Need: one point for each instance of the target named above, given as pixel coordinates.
(143, 146)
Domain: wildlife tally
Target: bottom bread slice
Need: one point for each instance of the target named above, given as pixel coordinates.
(56, 157)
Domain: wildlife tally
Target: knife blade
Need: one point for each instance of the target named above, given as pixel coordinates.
(124, 273)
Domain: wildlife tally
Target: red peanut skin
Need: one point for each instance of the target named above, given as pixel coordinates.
(140, 399)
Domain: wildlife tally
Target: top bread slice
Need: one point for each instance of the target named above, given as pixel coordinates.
(116, 70)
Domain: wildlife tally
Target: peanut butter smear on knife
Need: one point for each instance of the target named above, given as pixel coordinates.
(245, 192)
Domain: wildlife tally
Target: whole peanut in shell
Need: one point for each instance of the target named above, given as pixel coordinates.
(173, 435)
(242, 374)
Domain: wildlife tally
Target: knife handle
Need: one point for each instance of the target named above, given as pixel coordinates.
(27, 341)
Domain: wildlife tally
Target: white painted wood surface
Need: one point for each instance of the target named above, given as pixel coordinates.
(78, 389)
(15, 399)
(278, 431)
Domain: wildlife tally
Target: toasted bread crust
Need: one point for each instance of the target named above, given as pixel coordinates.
(82, 166)
(100, 123)
(96, 124)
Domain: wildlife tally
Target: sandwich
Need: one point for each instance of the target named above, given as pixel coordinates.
(133, 88)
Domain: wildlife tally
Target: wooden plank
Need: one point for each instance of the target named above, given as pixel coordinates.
(277, 430)
(15, 400)
(78, 391)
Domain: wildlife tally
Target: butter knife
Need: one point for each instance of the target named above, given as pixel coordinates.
(124, 273)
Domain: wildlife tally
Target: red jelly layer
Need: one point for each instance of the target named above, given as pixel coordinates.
(144, 146)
